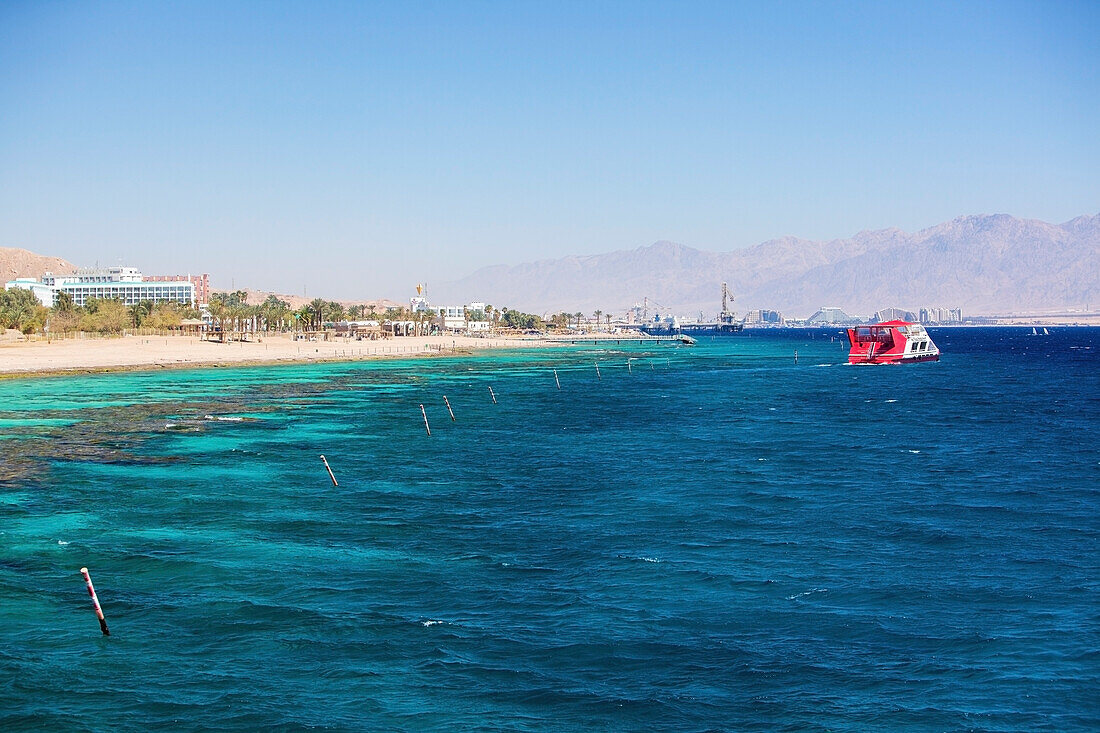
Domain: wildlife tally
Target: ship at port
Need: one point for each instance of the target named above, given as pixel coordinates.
(725, 323)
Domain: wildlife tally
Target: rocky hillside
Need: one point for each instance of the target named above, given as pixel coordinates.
(983, 264)
(22, 263)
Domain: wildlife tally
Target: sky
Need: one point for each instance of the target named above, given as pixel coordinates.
(352, 150)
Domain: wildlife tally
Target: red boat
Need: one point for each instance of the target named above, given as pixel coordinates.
(892, 342)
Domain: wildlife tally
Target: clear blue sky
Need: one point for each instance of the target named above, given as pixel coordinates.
(354, 149)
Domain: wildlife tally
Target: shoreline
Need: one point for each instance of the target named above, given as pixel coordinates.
(77, 357)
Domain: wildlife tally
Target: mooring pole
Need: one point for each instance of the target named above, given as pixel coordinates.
(330, 475)
(556, 379)
(448, 403)
(491, 394)
(598, 372)
(95, 602)
(425, 421)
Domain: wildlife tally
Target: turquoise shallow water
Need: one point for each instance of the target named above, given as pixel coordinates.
(716, 539)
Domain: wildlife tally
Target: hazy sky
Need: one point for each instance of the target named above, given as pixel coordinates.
(354, 149)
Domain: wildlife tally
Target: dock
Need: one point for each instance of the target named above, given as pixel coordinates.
(619, 340)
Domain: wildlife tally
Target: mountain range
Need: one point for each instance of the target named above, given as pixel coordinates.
(982, 264)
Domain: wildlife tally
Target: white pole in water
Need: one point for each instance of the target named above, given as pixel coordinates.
(628, 368)
(796, 356)
(448, 403)
(425, 421)
(556, 379)
(95, 602)
(491, 394)
(598, 372)
(325, 461)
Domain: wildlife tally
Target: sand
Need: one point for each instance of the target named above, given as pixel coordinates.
(26, 358)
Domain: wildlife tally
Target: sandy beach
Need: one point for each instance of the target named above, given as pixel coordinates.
(26, 358)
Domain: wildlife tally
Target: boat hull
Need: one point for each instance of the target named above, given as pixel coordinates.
(892, 359)
(892, 342)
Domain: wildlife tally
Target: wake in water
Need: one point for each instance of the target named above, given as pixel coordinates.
(809, 592)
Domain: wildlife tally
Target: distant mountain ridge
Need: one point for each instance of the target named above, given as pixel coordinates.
(983, 264)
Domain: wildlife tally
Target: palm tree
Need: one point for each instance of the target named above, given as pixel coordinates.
(218, 311)
(302, 318)
(598, 313)
(334, 311)
(139, 311)
(317, 313)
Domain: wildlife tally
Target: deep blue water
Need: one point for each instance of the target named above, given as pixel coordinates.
(717, 539)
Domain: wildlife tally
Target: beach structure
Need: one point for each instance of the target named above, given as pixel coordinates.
(121, 283)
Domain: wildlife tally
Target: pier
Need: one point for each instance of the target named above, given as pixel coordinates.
(618, 340)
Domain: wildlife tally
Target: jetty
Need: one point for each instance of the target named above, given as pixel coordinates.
(620, 339)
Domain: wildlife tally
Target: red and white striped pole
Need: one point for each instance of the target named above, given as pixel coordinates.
(448, 403)
(325, 461)
(95, 602)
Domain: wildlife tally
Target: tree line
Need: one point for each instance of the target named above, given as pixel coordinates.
(231, 313)
(21, 310)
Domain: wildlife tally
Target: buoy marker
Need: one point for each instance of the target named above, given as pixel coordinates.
(327, 468)
(95, 602)
(428, 429)
(556, 379)
(493, 395)
(448, 403)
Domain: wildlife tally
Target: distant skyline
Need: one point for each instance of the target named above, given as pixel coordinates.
(355, 149)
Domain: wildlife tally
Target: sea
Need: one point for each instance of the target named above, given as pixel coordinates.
(617, 537)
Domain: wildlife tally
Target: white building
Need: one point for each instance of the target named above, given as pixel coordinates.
(120, 283)
(453, 318)
(46, 295)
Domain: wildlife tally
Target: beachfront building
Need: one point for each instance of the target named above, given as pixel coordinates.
(201, 282)
(830, 315)
(763, 318)
(45, 294)
(120, 283)
(452, 318)
(894, 314)
(936, 316)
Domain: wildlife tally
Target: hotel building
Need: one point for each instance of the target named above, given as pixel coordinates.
(120, 283)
